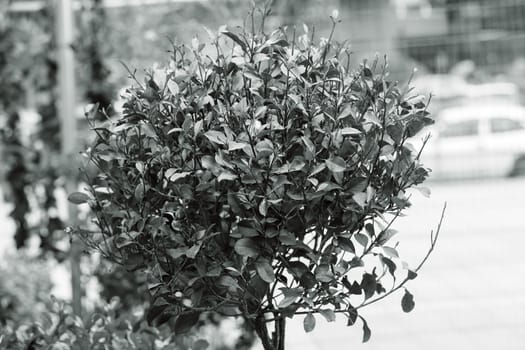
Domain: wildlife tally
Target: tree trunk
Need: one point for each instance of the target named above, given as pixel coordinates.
(280, 330)
(262, 332)
(276, 341)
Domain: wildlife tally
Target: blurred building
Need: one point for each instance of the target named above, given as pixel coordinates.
(441, 33)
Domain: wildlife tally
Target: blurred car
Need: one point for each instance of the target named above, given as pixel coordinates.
(483, 140)
(449, 90)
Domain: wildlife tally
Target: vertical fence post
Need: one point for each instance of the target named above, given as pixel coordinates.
(66, 108)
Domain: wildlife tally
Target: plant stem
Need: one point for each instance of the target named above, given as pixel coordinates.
(280, 330)
(259, 324)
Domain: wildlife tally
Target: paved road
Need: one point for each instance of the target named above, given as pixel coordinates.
(470, 295)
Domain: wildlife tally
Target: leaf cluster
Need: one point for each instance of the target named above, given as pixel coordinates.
(106, 328)
(258, 174)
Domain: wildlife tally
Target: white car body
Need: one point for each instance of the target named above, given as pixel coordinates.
(483, 140)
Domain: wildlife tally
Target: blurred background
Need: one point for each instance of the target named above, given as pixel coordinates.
(469, 55)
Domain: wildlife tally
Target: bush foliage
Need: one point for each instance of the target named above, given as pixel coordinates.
(106, 328)
(258, 175)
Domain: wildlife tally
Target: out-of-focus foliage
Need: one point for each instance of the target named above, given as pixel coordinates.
(131, 289)
(111, 327)
(24, 72)
(58, 328)
(92, 51)
(117, 282)
(24, 287)
(32, 173)
(257, 175)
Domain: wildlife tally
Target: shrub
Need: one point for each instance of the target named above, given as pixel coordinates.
(21, 298)
(259, 177)
(58, 328)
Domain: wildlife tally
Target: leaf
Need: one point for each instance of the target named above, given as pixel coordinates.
(297, 268)
(309, 322)
(263, 207)
(361, 239)
(175, 130)
(328, 314)
(295, 165)
(385, 235)
(411, 275)
(290, 296)
(360, 199)
(346, 244)
(264, 270)
(350, 131)
(177, 252)
(173, 175)
(161, 319)
(347, 112)
(352, 316)
(286, 237)
(208, 162)
(310, 148)
(246, 247)
(246, 229)
(173, 87)
(355, 288)
(154, 311)
(259, 57)
(264, 148)
(407, 302)
(233, 146)
(139, 192)
(391, 252)
(200, 344)
(226, 175)
(336, 164)
(318, 169)
(313, 181)
(323, 273)
(197, 128)
(78, 198)
(366, 330)
(369, 227)
(368, 284)
(308, 280)
(227, 281)
(328, 186)
(217, 137)
(192, 252)
(234, 203)
(390, 265)
(122, 241)
(185, 322)
(140, 167)
(236, 39)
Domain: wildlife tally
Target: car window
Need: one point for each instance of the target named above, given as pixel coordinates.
(458, 129)
(498, 125)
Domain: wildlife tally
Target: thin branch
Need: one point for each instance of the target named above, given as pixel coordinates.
(433, 240)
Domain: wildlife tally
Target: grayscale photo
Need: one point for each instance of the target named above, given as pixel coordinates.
(262, 174)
